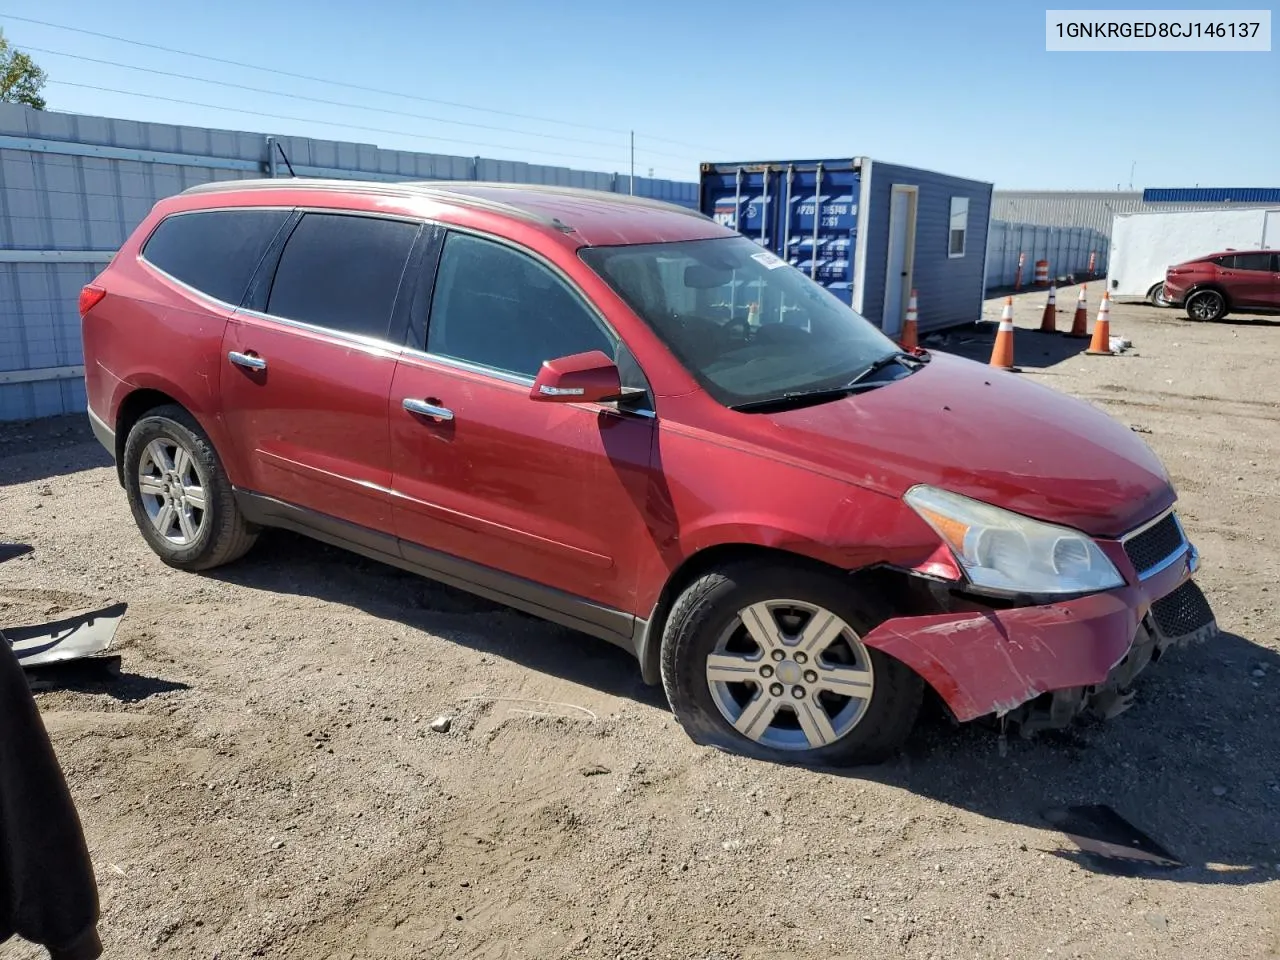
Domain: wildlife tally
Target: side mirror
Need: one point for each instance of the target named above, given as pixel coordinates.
(589, 377)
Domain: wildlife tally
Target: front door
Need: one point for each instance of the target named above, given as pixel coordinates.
(306, 377)
(902, 238)
(540, 500)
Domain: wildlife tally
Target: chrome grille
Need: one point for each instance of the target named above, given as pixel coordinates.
(1147, 549)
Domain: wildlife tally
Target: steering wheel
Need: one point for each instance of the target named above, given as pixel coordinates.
(736, 330)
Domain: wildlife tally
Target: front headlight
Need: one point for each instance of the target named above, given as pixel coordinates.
(1011, 553)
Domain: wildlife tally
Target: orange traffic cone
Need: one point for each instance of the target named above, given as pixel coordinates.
(1049, 324)
(1002, 351)
(1100, 345)
(910, 339)
(1080, 322)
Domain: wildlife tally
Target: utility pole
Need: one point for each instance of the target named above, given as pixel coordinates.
(633, 163)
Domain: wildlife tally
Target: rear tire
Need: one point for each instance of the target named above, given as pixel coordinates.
(179, 493)
(809, 692)
(1155, 296)
(1206, 306)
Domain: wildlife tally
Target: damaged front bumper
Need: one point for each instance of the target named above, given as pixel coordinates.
(1184, 617)
(79, 637)
(1043, 666)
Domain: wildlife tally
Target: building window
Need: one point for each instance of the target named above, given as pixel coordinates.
(959, 228)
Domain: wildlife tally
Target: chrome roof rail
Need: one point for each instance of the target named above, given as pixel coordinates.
(454, 191)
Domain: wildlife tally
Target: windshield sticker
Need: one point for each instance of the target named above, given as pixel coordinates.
(768, 260)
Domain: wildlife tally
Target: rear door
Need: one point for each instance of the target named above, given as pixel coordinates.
(307, 366)
(1248, 278)
(1274, 301)
(206, 259)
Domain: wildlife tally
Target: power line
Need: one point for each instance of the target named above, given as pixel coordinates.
(619, 164)
(338, 103)
(339, 83)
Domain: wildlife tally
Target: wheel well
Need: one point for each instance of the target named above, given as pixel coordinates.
(897, 594)
(133, 408)
(1202, 287)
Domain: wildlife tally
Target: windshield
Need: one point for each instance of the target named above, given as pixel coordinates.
(747, 325)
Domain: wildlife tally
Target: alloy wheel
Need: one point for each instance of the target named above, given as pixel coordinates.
(172, 490)
(1206, 306)
(790, 675)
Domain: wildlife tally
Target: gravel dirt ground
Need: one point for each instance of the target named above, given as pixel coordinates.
(263, 779)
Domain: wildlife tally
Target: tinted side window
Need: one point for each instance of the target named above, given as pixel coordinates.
(1252, 261)
(216, 251)
(342, 272)
(498, 308)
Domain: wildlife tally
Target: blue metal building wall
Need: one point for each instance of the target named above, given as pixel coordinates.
(73, 187)
(1249, 195)
(950, 290)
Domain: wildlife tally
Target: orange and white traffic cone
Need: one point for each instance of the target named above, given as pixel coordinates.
(1049, 323)
(1002, 350)
(910, 337)
(1080, 322)
(1100, 345)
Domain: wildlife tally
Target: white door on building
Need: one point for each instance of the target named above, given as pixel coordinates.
(1271, 230)
(901, 257)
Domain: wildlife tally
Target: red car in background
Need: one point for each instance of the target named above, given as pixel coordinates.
(1233, 281)
(623, 417)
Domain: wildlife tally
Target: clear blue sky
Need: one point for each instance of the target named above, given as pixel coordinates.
(962, 88)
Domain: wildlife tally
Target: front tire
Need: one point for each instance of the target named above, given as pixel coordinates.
(1155, 296)
(1206, 306)
(180, 496)
(767, 660)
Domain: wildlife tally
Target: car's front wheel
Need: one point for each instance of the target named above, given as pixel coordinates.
(1207, 305)
(768, 660)
(180, 496)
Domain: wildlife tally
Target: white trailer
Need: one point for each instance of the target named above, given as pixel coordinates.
(1144, 245)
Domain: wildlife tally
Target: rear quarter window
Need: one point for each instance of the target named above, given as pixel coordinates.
(214, 251)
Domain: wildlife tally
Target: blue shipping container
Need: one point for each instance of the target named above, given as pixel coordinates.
(869, 232)
(806, 213)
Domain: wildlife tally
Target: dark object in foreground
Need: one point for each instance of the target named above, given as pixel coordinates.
(9, 551)
(48, 892)
(1110, 842)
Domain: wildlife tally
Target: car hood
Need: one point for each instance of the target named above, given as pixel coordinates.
(986, 434)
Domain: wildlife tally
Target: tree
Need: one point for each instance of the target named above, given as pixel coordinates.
(20, 79)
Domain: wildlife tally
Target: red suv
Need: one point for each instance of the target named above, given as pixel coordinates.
(623, 417)
(1213, 286)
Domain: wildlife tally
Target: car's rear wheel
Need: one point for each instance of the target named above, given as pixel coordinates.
(1207, 305)
(768, 660)
(1155, 296)
(180, 495)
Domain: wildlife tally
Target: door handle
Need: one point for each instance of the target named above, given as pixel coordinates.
(247, 361)
(427, 409)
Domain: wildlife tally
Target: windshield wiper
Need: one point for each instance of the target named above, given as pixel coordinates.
(896, 357)
(799, 398)
(860, 382)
